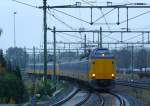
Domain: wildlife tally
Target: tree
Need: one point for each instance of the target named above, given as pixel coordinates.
(11, 84)
(141, 58)
(1, 31)
(17, 56)
(67, 55)
(2, 60)
(123, 58)
(11, 87)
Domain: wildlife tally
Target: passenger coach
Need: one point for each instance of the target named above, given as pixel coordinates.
(97, 68)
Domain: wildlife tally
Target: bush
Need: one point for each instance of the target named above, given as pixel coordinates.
(11, 88)
(44, 91)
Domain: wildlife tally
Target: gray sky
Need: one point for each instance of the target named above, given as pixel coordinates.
(29, 21)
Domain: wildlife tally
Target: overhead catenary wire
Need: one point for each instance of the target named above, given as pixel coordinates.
(107, 36)
(70, 35)
(101, 13)
(29, 5)
(131, 38)
(87, 40)
(71, 16)
(74, 36)
(63, 37)
(134, 17)
(67, 25)
(63, 22)
(80, 17)
(56, 17)
(105, 20)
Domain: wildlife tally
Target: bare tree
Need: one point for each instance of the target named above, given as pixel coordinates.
(1, 31)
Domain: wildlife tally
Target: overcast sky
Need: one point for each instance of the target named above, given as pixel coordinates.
(29, 21)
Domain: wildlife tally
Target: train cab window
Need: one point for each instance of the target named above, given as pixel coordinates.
(101, 53)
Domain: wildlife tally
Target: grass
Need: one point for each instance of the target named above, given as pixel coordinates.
(40, 84)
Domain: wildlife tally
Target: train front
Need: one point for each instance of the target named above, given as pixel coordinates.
(102, 69)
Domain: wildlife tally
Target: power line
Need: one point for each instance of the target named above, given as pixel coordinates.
(25, 4)
(60, 21)
(105, 19)
(87, 40)
(63, 37)
(101, 13)
(135, 17)
(104, 14)
(81, 24)
(107, 36)
(63, 22)
(133, 37)
(71, 16)
(74, 36)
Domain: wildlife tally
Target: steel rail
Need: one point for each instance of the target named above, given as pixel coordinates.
(134, 85)
(84, 100)
(66, 99)
(70, 97)
(122, 101)
(101, 99)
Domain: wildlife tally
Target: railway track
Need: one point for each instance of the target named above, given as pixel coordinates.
(84, 97)
(140, 86)
(96, 99)
(135, 84)
(77, 98)
(121, 100)
(110, 99)
(65, 99)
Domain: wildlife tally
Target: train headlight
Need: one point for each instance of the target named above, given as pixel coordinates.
(112, 75)
(103, 54)
(93, 75)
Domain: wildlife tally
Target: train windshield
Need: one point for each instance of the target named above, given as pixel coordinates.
(101, 53)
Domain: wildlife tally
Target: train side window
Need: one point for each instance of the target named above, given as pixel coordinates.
(93, 62)
(112, 62)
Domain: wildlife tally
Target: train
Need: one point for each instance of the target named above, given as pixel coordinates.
(97, 68)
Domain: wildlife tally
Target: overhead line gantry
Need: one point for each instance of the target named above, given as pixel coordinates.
(112, 6)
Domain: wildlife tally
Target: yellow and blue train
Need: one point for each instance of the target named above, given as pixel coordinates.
(98, 69)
